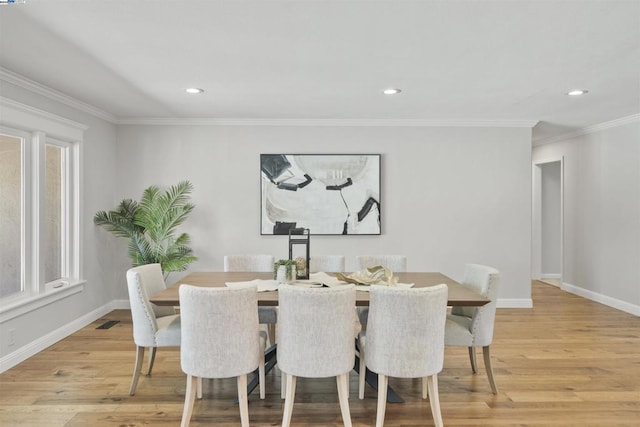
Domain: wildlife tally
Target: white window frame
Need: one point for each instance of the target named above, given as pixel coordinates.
(40, 128)
(70, 269)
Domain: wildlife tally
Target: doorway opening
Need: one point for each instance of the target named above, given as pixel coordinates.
(548, 224)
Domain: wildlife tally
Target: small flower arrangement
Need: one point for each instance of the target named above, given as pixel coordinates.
(288, 265)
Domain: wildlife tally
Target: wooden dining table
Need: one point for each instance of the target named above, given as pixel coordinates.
(458, 296)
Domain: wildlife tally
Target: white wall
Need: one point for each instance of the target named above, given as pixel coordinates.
(450, 196)
(602, 213)
(551, 221)
(98, 181)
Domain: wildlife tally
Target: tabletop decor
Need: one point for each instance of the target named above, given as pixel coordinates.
(299, 246)
(284, 270)
(331, 194)
(377, 275)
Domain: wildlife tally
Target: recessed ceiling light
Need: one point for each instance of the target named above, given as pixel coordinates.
(391, 91)
(194, 90)
(578, 92)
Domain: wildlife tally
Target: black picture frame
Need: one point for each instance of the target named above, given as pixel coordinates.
(330, 194)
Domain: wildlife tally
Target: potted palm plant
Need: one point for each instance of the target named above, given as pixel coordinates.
(150, 226)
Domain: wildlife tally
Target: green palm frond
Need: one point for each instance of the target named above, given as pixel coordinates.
(160, 214)
(150, 224)
(120, 221)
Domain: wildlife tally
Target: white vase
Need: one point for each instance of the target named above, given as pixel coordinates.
(281, 274)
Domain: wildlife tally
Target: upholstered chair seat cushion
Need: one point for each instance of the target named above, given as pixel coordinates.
(268, 315)
(459, 329)
(168, 331)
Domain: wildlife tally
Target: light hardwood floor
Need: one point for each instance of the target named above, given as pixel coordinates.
(566, 362)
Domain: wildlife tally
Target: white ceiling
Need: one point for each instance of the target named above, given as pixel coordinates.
(454, 60)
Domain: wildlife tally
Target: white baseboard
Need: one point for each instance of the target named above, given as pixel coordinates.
(514, 303)
(34, 347)
(549, 276)
(120, 304)
(602, 299)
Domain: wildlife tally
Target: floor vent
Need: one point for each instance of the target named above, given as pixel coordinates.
(108, 324)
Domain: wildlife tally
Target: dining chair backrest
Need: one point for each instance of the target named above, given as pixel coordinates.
(257, 263)
(316, 330)
(326, 263)
(220, 331)
(395, 263)
(405, 330)
(142, 282)
(152, 279)
(485, 281)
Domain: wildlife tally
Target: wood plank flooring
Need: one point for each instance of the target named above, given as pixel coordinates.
(566, 362)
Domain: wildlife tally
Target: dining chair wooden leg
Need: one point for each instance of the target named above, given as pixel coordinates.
(486, 352)
(472, 358)
(152, 358)
(199, 388)
(362, 371)
(343, 395)
(271, 333)
(136, 370)
(288, 401)
(261, 374)
(283, 385)
(188, 400)
(383, 382)
(242, 400)
(425, 388)
(434, 399)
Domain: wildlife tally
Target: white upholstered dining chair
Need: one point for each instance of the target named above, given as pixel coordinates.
(405, 339)
(258, 263)
(221, 338)
(473, 326)
(153, 326)
(326, 263)
(316, 334)
(395, 263)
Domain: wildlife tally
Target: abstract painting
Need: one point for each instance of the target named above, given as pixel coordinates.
(326, 193)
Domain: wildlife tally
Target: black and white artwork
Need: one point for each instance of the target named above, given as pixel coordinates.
(326, 193)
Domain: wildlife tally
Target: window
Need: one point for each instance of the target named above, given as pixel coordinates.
(11, 212)
(54, 256)
(39, 215)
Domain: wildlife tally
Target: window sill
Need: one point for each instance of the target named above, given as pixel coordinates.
(27, 304)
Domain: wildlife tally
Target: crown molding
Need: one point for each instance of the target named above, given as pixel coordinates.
(32, 86)
(587, 130)
(329, 122)
(8, 102)
(21, 116)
